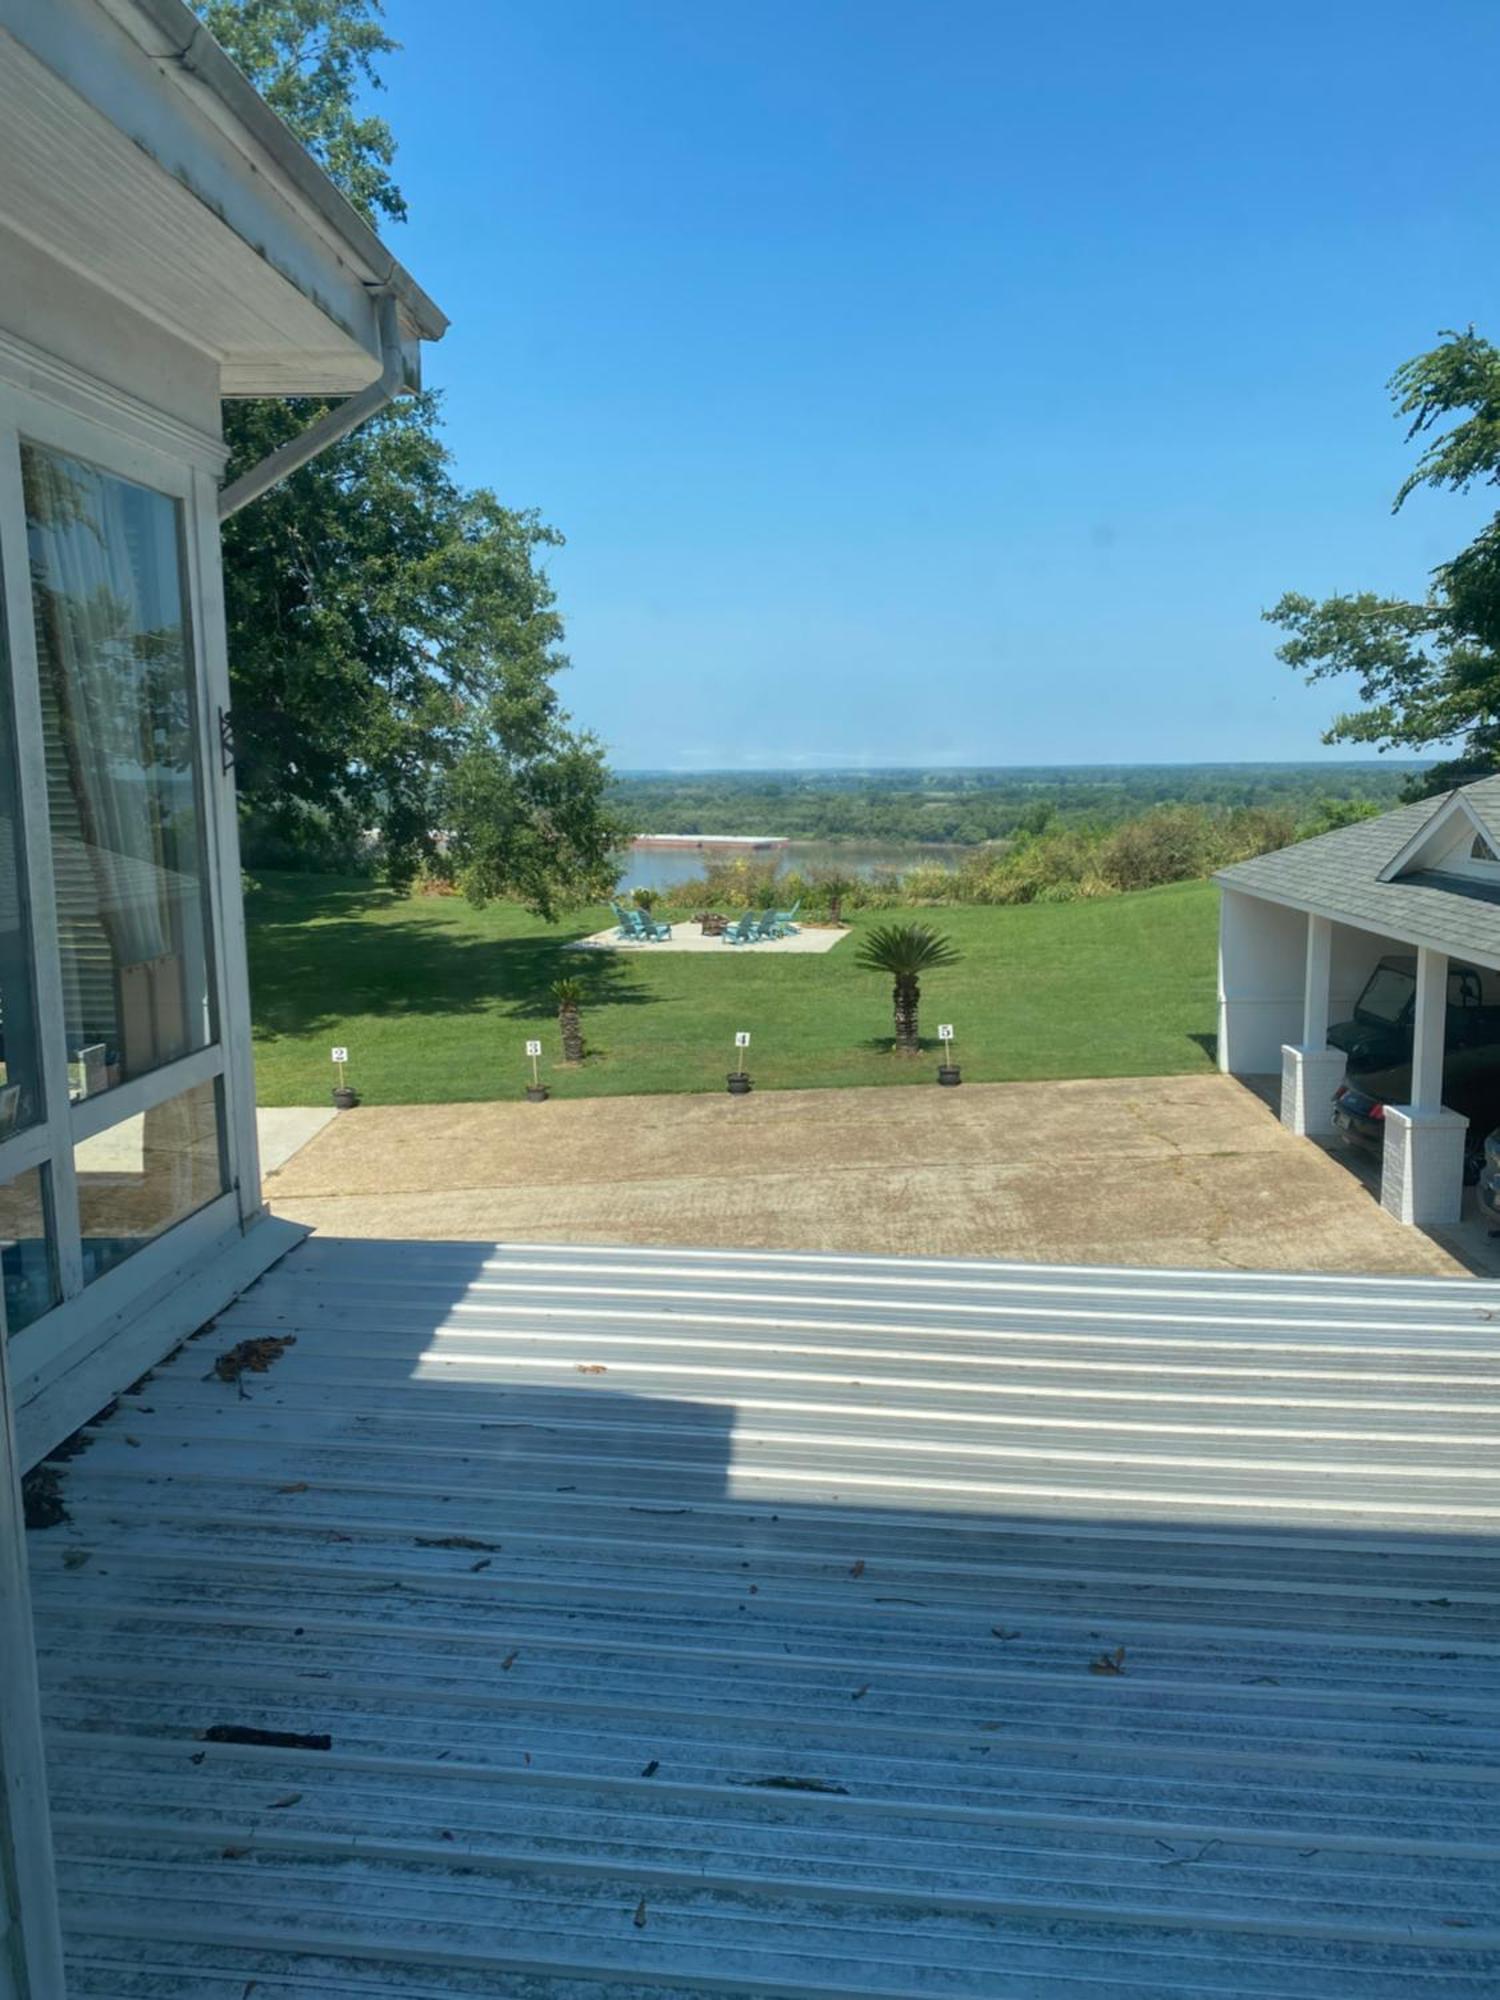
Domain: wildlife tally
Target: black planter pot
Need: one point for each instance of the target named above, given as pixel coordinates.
(345, 1097)
(949, 1073)
(537, 1093)
(739, 1083)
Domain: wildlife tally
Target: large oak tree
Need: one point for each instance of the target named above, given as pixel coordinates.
(1428, 671)
(393, 637)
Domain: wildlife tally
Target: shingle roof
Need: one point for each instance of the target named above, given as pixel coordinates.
(1338, 875)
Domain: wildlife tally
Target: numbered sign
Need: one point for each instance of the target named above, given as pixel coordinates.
(341, 1055)
(533, 1048)
(945, 1032)
(742, 1039)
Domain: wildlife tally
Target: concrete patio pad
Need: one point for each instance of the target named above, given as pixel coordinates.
(688, 937)
(285, 1129)
(1191, 1172)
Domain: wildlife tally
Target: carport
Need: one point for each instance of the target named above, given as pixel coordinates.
(1300, 932)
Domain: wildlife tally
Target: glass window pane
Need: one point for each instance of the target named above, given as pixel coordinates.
(26, 1250)
(137, 1178)
(20, 1074)
(123, 792)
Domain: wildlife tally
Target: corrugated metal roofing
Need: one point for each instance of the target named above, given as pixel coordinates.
(787, 1626)
(1338, 875)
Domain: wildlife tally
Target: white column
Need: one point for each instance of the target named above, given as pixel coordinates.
(1315, 983)
(1311, 1071)
(1422, 1174)
(1431, 1032)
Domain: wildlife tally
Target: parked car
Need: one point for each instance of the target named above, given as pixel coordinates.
(1378, 1043)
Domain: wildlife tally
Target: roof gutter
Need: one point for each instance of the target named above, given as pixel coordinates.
(184, 45)
(332, 425)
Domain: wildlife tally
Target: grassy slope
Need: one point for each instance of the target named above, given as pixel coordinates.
(436, 999)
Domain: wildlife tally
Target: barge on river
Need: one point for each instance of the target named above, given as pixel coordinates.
(708, 843)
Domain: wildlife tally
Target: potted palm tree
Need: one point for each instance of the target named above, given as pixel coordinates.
(904, 952)
(568, 993)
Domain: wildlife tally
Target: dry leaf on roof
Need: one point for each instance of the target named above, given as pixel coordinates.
(252, 1357)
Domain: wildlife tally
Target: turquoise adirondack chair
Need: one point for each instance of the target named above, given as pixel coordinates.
(649, 928)
(745, 931)
(779, 922)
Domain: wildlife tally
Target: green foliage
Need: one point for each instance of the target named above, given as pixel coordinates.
(309, 59)
(1426, 673)
(1064, 864)
(829, 889)
(1179, 843)
(393, 637)
(972, 807)
(393, 642)
(904, 950)
(568, 996)
(1330, 814)
(645, 899)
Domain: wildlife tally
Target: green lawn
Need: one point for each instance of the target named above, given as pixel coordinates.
(436, 999)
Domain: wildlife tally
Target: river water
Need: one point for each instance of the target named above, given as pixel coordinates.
(660, 868)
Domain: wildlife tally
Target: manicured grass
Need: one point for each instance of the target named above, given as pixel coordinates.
(436, 999)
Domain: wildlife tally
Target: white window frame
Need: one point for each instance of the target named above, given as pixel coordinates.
(48, 403)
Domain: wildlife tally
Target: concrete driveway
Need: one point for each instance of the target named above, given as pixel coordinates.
(1192, 1172)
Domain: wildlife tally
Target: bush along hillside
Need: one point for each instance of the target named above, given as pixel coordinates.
(1173, 843)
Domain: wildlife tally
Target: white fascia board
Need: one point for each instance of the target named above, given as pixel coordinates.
(291, 244)
(1414, 939)
(176, 39)
(1454, 807)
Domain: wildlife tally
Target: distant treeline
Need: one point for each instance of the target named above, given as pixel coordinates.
(973, 806)
(1060, 864)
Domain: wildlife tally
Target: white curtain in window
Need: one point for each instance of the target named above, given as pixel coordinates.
(104, 561)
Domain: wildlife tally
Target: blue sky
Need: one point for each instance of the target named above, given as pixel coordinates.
(953, 382)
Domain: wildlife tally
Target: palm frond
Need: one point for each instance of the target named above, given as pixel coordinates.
(904, 950)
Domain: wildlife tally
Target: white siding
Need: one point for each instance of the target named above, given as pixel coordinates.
(1262, 954)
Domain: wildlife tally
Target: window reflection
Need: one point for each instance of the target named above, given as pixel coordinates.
(137, 1178)
(118, 721)
(25, 1252)
(20, 1084)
